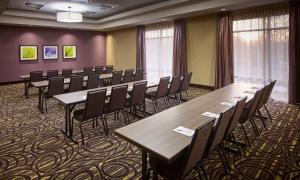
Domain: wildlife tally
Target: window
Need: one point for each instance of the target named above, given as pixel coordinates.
(159, 51)
(261, 52)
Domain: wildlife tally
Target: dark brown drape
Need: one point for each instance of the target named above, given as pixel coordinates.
(179, 48)
(294, 52)
(224, 62)
(140, 48)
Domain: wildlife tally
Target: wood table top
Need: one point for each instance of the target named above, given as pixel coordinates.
(79, 96)
(155, 133)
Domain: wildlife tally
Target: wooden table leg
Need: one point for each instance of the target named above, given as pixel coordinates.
(144, 165)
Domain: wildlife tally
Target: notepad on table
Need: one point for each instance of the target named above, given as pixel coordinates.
(184, 131)
(210, 114)
(229, 104)
(83, 97)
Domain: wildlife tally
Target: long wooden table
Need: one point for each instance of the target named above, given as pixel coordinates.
(70, 100)
(41, 85)
(155, 135)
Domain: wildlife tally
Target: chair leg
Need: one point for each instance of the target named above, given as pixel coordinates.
(261, 118)
(234, 139)
(243, 128)
(200, 168)
(105, 121)
(222, 160)
(178, 98)
(81, 132)
(268, 112)
(154, 106)
(125, 118)
(166, 102)
(255, 128)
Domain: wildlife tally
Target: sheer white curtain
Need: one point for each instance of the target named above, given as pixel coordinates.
(159, 50)
(261, 52)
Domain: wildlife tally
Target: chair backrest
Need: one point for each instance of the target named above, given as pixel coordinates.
(254, 103)
(163, 85)
(175, 84)
(117, 98)
(66, 73)
(263, 96)
(36, 76)
(196, 149)
(76, 83)
(109, 69)
(219, 130)
(138, 93)
(93, 81)
(99, 70)
(186, 81)
(94, 105)
(272, 84)
(55, 86)
(116, 78)
(138, 76)
(128, 76)
(52, 74)
(87, 71)
(238, 109)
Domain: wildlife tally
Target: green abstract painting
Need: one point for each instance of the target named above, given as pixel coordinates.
(28, 53)
(69, 52)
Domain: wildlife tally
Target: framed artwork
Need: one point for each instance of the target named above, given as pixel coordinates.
(28, 52)
(50, 52)
(69, 52)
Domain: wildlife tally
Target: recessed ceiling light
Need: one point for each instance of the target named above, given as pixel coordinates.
(223, 9)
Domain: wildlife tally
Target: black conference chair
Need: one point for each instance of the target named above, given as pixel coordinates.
(161, 92)
(76, 83)
(185, 85)
(188, 161)
(35, 76)
(67, 73)
(87, 71)
(116, 77)
(55, 87)
(93, 81)
(109, 69)
(128, 76)
(138, 76)
(174, 88)
(52, 74)
(93, 110)
(116, 103)
(99, 70)
(137, 98)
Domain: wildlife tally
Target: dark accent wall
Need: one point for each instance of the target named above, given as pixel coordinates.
(91, 49)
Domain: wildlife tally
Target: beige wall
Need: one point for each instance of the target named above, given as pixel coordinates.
(121, 48)
(201, 49)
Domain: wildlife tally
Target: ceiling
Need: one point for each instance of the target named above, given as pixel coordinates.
(105, 15)
(89, 8)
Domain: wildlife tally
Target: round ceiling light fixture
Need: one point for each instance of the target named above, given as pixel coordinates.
(69, 17)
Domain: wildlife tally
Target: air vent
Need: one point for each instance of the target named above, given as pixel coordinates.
(107, 6)
(89, 13)
(80, 1)
(36, 6)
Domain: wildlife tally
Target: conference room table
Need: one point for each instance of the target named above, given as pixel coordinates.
(154, 135)
(26, 77)
(41, 85)
(70, 100)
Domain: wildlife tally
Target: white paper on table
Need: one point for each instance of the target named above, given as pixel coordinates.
(229, 104)
(249, 92)
(184, 131)
(83, 97)
(210, 114)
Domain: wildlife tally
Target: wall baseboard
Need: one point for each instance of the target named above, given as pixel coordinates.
(11, 82)
(211, 88)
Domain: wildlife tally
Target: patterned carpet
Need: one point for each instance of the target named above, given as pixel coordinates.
(33, 147)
